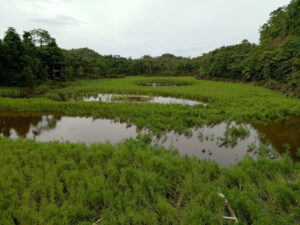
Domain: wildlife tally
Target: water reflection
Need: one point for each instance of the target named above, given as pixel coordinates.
(282, 132)
(208, 146)
(140, 98)
(73, 129)
(21, 126)
(202, 143)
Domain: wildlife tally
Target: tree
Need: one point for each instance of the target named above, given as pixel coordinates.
(41, 37)
(53, 59)
(28, 77)
(32, 59)
(14, 57)
(1, 63)
(283, 22)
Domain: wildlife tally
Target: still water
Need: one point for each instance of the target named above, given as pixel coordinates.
(205, 146)
(140, 98)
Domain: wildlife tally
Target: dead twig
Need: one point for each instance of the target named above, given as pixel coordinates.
(97, 222)
(232, 214)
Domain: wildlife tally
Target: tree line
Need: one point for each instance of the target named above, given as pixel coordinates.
(88, 63)
(275, 61)
(35, 57)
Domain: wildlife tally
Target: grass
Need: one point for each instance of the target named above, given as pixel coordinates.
(131, 98)
(226, 101)
(233, 134)
(136, 183)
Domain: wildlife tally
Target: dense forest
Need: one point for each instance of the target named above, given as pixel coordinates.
(35, 57)
(274, 62)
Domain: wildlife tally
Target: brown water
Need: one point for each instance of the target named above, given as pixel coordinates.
(140, 98)
(63, 128)
(281, 132)
(206, 146)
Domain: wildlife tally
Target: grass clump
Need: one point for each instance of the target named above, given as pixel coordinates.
(233, 134)
(136, 183)
(131, 98)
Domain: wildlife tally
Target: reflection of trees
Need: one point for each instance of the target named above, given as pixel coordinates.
(22, 124)
(282, 132)
(47, 123)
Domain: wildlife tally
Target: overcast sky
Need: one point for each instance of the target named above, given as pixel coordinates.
(139, 27)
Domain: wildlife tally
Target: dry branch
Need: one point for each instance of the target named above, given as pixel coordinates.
(232, 214)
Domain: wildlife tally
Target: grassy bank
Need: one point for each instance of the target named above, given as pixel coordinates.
(226, 101)
(134, 183)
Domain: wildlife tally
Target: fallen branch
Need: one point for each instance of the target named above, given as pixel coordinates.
(232, 214)
(98, 221)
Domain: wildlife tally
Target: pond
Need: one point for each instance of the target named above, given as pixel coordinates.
(163, 84)
(205, 146)
(140, 98)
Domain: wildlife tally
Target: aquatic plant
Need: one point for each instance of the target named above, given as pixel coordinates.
(233, 133)
(131, 98)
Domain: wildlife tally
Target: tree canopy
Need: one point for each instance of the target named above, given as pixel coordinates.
(275, 61)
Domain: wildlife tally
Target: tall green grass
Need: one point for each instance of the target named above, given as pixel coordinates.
(136, 183)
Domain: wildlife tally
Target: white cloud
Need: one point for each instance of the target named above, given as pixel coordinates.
(138, 27)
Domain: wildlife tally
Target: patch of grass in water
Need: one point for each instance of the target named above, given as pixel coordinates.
(226, 101)
(233, 134)
(131, 98)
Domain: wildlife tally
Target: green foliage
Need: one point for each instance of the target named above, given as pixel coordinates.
(85, 53)
(274, 63)
(25, 64)
(226, 62)
(88, 63)
(225, 102)
(129, 98)
(233, 133)
(13, 61)
(1, 60)
(28, 77)
(136, 183)
(39, 56)
(283, 22)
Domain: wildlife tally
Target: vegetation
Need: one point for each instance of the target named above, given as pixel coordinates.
(131, 98)
(233, 133)
(36, 58)
(226, 101)
(23, 63)
(273, 63)
(135, 183)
